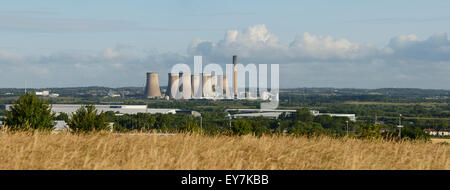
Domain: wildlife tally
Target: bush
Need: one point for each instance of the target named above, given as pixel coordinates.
(87, 119)
(62, 116)
(370, 131)
(30, 112)
(189, 126)
(308, 129)
(241, 127)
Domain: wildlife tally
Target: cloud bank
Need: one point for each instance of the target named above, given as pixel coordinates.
(308, 61)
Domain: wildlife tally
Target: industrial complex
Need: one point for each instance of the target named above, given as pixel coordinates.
(189, 86)
(197, 86)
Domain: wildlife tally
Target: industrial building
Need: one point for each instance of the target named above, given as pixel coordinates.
(46, 93)
(198, 86)
(152, 89)
(274, 114)
(250, 113)
(118, 109)
(352, 117)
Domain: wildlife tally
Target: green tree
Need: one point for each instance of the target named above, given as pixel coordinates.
(370, 131)
(188, 125)
(62, 116)
(30, 112)
(86, 119)
(303, 115)
(308, 129)
(241, 127)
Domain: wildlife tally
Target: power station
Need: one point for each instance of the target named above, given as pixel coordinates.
(198, 86)
(235, 89)
(152, 88)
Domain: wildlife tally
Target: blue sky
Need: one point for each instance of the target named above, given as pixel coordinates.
(357, 44)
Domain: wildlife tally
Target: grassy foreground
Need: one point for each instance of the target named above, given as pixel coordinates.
(192, 151)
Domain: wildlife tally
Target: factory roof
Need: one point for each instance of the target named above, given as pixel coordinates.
(122, 109)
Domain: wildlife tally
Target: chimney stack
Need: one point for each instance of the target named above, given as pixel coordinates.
(235, 75)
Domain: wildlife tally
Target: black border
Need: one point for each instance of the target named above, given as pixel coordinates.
(277, 178)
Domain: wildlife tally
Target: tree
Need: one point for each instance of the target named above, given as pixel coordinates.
(30, 112)
(188, 125)
(86, 119)
(62, 116)
(370, 131)
(303, 115)
(241, 127)
(308, 129)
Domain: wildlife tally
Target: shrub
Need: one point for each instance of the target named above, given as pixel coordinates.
(30, 112)
(241, 127)
(86, 119)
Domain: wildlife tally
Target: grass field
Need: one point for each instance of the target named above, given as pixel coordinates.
(396, 103)
(193, 151)
(438, 140)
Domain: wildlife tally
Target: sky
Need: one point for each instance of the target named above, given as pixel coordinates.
(341, 44)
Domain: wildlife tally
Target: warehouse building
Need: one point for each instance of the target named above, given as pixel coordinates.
(118, 109)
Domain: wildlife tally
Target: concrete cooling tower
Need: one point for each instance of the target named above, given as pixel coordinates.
(207, 86)
(213, 82)
(185, 82)
(225, 86)
(173, 83)
(196, 89)
(152, 87)
(218, 86)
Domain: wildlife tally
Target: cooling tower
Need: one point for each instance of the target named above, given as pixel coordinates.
(173, 83)
(152, 87)
(218, 87)
(235, 89)
(185, 82)
(207, 86)
(214, 82)
(195, 86)
(225, 86)
(180, 84)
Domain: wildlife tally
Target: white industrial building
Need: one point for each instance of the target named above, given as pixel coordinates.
(352, 117)
(119, 109)
(46, 93)
(273, 114)
(43, 93)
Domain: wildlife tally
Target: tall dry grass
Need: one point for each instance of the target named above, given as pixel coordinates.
(40, 150)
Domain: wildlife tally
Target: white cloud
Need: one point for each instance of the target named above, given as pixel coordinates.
(320, 47)
(257, 42)
(6, 56)
(309, 60)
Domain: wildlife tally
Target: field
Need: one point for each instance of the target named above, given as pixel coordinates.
(437, 140)
(100, 151)
(396, 103)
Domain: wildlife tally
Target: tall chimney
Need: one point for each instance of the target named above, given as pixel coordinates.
(235, 75)
(152, 87)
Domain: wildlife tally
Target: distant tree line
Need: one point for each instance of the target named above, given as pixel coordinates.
(31, 113)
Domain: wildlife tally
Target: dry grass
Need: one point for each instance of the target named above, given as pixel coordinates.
(397, 103)
(437, 140)
(193, 151)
